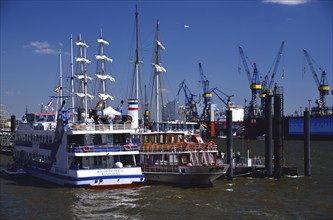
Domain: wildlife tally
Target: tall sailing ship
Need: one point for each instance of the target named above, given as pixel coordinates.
(170, 152)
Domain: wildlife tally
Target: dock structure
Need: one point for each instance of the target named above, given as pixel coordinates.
(6, 141)
(7, 131)
(271, 165)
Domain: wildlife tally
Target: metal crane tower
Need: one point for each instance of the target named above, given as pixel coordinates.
(207, 95)
(190, 104)
(267, 83)
(322, 85)
(255, 86)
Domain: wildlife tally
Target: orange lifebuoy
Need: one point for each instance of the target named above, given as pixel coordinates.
(86, 148)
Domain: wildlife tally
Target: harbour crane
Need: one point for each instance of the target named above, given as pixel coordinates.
(207, 95)
(255, 86)
(322, 85)
(190, 104)
(225, 100)
(268, 83)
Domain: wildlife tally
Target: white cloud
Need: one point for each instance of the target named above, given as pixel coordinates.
(287, 2)
(41, 47)
(10, 93)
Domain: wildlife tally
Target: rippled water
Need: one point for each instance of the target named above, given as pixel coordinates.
(241, 198)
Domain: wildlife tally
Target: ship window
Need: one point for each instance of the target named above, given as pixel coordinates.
(146, 139)
(75, 139)
(170, 138)
(41, 118)
(119, 138)
(50, 118)
(162, 139)
(179, 138)
(136, 139)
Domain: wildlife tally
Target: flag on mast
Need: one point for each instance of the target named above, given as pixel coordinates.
(57, 88)
(50, 103)
(99, 104)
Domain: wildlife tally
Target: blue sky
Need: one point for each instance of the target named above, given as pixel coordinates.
(32, 33)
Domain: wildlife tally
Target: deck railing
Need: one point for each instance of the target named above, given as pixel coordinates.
(177, 147)
(75, 148)
(99, 127)
(159, 168)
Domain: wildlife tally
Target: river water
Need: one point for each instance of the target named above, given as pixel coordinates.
(289, 197)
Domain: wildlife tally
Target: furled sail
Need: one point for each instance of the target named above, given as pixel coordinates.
(105, 96)
(100, 40)
(80, 43)
(81, 95)
(82, 77)
(82, 59)
(103, 57)
(160, 45)
(104, 77)
(158, 68)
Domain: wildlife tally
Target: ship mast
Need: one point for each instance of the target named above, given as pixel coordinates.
(60, 78)
(59, 88)
(101, 70)
(133, 102)
(136, 67)
(157, 70)
(72, 80)
(82, 76)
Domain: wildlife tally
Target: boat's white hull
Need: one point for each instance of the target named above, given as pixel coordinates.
(187, 175)
(92, 178)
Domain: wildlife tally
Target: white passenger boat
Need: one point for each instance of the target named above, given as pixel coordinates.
(86, 154)
(75, 148)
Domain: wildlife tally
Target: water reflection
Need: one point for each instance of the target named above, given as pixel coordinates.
(106, 204)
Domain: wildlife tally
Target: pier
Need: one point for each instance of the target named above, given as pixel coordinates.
(273, 163)
(6, 141)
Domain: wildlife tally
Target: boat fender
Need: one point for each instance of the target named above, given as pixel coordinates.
(86, 148)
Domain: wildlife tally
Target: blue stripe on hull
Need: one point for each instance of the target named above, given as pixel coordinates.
(78, 181)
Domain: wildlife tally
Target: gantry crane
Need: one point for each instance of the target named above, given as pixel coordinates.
(268, 83)
(190, 104)
(207, 95)
(322, 85)
(255, 86)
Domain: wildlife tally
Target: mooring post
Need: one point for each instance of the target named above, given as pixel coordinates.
(268, 135)
(307, 164)
(230, 172)
(79, 114)
(12, 123)
(277, 137)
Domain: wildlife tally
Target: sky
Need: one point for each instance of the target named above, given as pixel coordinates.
(33, 33)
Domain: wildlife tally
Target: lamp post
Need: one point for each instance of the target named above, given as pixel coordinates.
(309, 100)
